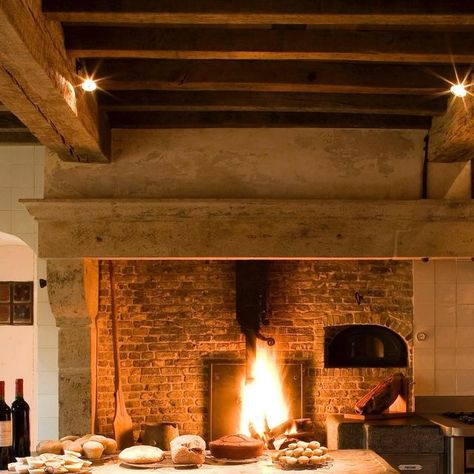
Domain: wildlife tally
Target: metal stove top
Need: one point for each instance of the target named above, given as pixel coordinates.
(454, 423)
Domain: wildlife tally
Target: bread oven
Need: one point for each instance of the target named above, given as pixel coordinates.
(184, 345)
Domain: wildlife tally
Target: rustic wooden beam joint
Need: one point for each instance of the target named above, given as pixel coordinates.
(39, 85)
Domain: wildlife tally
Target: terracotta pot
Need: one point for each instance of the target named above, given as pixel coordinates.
(160, 434)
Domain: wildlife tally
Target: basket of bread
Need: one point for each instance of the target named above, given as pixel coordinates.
(303, 455)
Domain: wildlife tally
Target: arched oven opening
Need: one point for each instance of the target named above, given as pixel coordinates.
(364, 345)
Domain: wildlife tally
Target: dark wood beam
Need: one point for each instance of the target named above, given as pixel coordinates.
(38, 84)
(279, 44)
(169, 120)
(426, 13)
(17, 138)
(125, 101)
(451, 136)
(270, 76)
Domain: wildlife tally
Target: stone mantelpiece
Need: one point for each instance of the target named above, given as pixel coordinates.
(239, 228)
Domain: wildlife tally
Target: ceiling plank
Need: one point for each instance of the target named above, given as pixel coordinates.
(451, 137)
(169, 120)
(271, 101)
(427, 13)
(278, 44)
(37, 84)
(266, 76)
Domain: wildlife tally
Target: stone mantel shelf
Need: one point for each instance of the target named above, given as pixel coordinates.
(246, 228)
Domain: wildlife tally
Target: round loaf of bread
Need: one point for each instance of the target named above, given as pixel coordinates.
(141, 455)
(236, 446)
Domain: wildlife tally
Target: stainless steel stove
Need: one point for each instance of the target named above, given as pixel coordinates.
(458, 428)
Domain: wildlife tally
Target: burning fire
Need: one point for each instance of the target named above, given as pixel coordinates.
(263, 402)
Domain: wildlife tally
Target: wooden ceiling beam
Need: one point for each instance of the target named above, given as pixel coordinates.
(37, 84)
(270, 76)
(271, 101)
(170, 120)
(426, 13)
(278, 44)
(451, 136)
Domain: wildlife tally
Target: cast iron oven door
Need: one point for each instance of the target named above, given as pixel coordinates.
(364, 345)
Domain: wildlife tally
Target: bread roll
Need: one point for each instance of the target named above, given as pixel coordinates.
(76, 447)
(188, 449)
(110, 446)
(69, 438)
(142, 455)
(49, 446)
(93, 449)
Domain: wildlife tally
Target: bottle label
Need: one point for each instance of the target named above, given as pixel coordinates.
(5, 433)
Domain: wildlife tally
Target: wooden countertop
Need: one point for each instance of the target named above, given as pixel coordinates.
(348, 461)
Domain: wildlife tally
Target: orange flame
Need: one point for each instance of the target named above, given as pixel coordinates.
(263, 403)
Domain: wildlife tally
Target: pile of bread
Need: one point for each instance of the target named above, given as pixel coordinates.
(186, 449)
(91, 446)
(302, 454)
(51, 464)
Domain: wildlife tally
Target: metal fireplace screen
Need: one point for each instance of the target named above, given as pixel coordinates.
(225, 401)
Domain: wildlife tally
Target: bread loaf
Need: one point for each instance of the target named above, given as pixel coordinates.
(142, 455)
(236, 446)
(188, 449)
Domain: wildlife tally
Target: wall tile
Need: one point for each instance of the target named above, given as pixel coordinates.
(45, 315)
(48, 383)
(445, 293)
(423, 293)
(465, 382)
(21, 193)
(5, 221)
(445, 382)
(23, 176)
(5, 199)
(465, 270)
(445, 271)
(445, 337)
(48, 405)
(47, 337)
(47, 359)
(23, 223)
(424, 359)
(424, 314)
(5, 174)
(445, 359)
(424, 382)
(465, 337)
(445, 315)
(465, 315)
(48, 428)
(423, 272)
(465, 293)
(464, 358)
(429, 331)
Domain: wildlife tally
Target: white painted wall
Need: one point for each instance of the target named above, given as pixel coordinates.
(444, 311)
(21, 176)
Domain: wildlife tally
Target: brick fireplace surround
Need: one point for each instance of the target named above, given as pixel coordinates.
(175, 316)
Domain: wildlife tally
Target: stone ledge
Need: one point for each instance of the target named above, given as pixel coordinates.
(246, 228)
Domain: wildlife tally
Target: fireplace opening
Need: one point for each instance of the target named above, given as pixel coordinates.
(364, 346)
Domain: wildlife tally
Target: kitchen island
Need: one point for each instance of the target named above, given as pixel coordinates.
(350, 461)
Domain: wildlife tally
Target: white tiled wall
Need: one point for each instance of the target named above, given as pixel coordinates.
(444, 313)
(21, 176)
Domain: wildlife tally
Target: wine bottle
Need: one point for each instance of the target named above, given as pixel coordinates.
(20, 422)
(6, 449)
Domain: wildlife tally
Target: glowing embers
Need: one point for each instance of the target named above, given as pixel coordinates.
(263, 401)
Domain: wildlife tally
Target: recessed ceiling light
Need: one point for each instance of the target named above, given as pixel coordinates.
(458, 90)
(89, 85)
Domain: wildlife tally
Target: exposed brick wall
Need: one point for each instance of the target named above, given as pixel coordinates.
(176, 315)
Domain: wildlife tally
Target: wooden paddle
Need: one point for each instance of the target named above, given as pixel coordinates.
(123, 426)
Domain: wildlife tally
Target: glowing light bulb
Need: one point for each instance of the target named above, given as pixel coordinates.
(458, 90)
(89, 85)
